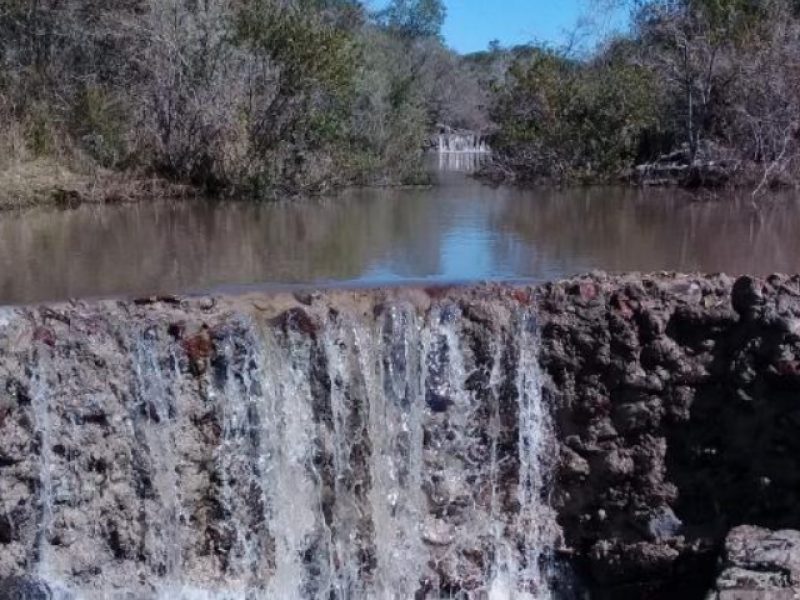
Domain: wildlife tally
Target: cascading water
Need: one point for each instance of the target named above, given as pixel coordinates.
(325, 452)
(461, 151)
(462, 142)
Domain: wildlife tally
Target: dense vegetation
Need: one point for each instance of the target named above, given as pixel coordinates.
(269, 97)
(244, 96)
(707, 89)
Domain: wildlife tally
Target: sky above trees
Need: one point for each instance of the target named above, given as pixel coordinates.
(472, 24)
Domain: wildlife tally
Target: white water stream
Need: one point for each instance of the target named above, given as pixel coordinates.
(391, 458)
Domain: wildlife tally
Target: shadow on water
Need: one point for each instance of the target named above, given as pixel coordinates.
(458, 230)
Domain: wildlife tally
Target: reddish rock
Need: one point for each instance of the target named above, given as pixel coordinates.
(44, 335)
(199, 349)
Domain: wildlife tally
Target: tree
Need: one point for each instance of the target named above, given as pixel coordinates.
(685, 42)
(561, 118)
(414, 18)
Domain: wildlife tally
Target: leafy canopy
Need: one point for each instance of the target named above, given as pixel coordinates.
(414, 18)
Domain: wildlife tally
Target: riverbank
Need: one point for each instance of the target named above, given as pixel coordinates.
(39, 183)
(670, 171)
(632, 436)
(50, 183)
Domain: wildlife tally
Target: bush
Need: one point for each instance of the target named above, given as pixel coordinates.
(256, 96)
(99, 124)
(563, 119)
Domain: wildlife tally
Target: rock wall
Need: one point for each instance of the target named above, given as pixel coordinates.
(600, 436)
(383, 444)
(677, 403)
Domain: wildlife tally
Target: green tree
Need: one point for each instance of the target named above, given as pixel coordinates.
(561, 118)
(414, 18)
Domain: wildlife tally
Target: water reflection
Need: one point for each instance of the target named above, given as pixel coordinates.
(462, 162)
(458, 231)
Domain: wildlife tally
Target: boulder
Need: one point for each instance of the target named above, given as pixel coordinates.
(759, 564)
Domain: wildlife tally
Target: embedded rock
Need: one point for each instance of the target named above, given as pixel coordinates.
(759, 564)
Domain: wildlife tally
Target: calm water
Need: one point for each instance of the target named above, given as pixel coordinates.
(457, 231)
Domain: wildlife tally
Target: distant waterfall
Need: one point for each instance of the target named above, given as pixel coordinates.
(336, 453)
(460, 151)
(462, 142)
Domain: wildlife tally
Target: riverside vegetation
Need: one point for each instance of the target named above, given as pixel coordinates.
(116, 99)
(253, 97)
(699, 92)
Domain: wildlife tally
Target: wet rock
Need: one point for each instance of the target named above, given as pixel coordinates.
(652, 325)
(199, 349)
(638, 416)
(618, 464)
(21, 588)
(219, 445)
(759, 564)
(586, 290)
(690, 292)
(663, 524)
(573, 464)
(680, 402)
(177, 330)
(438, 532)
(673, 415)
(662, 352)
(746, 296)
(305, 298)
(44, 335)
(617, 562)
(299, 320)
(7, 533)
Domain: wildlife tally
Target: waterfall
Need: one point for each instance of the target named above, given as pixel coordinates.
(40, 404)
(462, 142)
(386, 453)
(464, 151)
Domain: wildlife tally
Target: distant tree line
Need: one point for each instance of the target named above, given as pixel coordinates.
(269, 97)
(258, 97)
(710, 85)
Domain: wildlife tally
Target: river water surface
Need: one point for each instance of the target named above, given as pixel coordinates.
(459, 230)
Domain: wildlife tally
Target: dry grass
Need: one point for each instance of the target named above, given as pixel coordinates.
(65, 177)
(34, 182)
(40, 182)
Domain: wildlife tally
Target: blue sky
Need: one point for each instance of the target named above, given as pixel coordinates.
(472, 24)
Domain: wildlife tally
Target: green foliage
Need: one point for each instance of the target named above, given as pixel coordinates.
(309, 51)
(718, 21)
(265, 96)
(564, 118)
(414, 18)
(729, 15)
(389, 116)
(296, 137)
(701, 82)
(99, 123)
(39, 135)
(303, 95)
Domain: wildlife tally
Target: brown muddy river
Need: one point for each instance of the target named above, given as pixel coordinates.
(457, 231)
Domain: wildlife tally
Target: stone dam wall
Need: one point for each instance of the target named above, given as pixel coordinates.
(677, 409)
(603, 437)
